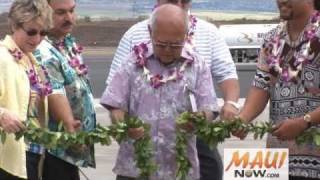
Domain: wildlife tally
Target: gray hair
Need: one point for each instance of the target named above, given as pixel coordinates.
(23, 11)
(154, 17)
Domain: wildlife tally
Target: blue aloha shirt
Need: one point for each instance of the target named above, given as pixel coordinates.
(65, 80)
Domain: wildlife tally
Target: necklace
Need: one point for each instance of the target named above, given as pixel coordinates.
(141, 51)
(289, 71)
(72, 52)
(38, 83)
(140, 54)
(192, 27)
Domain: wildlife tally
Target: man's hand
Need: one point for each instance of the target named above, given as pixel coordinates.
(72, 126)
(289, 129)
(77, 149)
(10, 122)
(136, 133)
(228, 111)
(188, 127)
(241, 133)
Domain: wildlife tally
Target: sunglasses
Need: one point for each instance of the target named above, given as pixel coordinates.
(33, 32)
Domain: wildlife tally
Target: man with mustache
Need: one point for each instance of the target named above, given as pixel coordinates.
(210, 45)
(288, 76)
(72, 99)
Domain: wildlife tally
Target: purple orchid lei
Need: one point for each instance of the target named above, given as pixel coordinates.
(193, 23)
(301, 57)
(158, 80)
(140, 52)
(43, 88)
(73, 55)
(16, 54)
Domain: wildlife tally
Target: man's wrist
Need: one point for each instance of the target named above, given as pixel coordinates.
(243, 118)
(307, 119)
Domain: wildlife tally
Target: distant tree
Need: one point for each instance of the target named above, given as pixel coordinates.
(142, 17)
(87, 19)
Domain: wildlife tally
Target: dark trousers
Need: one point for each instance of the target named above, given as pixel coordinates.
(301, 178)
(211, 166)
(32, 165)
(125, 178)
(55, 168)
(7, 176)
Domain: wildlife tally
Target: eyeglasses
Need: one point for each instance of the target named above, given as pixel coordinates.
(287, 1)
(163, 45)
(33, 32)
(177, 1)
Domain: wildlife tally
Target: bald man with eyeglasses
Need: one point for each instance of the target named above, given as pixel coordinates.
(211, 46)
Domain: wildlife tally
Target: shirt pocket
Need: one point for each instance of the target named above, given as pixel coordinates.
(181, 99)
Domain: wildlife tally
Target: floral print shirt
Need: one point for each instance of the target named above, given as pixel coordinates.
(294, 98)
(130, 91)
(66, 80)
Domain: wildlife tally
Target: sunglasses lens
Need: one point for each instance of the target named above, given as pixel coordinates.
(43, 33)
(32, 32)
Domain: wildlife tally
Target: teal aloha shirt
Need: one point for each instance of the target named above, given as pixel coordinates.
(59, 59)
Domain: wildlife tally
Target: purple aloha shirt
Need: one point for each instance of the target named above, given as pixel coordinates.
(131, 92)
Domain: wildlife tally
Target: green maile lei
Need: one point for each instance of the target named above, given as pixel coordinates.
(212, 133)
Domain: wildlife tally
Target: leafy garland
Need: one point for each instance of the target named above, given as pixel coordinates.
(52, 140)
(211, 132)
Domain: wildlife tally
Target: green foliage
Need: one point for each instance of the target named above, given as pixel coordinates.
(183, 163)
(216, 132)
(212, 133)
(52, 140)
(3, 136)
(143, 148)
(311, 136)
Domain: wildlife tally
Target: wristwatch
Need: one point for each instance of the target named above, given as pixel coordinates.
(236, 105)
(307, 118)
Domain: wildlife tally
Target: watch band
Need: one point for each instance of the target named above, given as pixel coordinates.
(235, 104)
(307, 118)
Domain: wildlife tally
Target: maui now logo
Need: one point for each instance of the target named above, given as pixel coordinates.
(256, 164)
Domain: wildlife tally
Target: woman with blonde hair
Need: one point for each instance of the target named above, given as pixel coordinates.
(24, 85)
